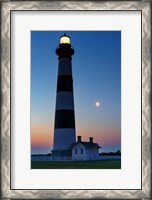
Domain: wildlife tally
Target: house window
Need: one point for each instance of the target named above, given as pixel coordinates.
(81, 151)
(75, 151)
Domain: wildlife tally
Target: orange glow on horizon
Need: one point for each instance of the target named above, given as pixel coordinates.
(41, 135)
(103, 136)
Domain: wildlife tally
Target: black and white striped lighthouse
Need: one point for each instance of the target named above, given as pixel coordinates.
(64, 127)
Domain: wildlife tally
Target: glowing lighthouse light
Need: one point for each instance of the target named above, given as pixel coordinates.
(64, 39)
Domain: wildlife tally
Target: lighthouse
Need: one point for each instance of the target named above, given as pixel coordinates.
(64, 124)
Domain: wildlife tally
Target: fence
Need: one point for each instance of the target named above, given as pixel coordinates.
(49, 158)
(110, 157)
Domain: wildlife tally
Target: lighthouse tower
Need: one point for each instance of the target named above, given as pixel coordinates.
(64, 127)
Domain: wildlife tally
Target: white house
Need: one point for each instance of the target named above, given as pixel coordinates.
(85, 150)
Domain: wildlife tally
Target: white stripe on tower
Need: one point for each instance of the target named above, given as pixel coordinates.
(64, 132)
(60, 137)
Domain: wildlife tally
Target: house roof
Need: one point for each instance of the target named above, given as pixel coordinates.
(86, 144)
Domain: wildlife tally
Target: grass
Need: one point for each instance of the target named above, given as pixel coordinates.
(99, 164)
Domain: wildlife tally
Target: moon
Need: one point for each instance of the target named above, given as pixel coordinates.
(97, 103)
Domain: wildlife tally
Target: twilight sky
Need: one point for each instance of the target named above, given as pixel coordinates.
(96, 67)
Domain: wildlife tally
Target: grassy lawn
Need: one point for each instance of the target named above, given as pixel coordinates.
(99, 164)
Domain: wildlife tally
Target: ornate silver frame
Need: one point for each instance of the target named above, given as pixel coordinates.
(145, 8)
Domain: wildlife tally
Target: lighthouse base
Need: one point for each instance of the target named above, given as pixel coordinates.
(61, 153)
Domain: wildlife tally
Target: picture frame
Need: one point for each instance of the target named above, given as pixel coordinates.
(11, 6)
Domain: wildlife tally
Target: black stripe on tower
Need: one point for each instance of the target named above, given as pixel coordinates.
(64, 119)
(65, 83)
(64, 51)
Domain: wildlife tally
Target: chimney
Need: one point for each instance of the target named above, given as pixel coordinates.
(79, 138)
(91, 139)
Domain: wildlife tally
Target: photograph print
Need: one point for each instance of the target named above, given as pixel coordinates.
(75, 99)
